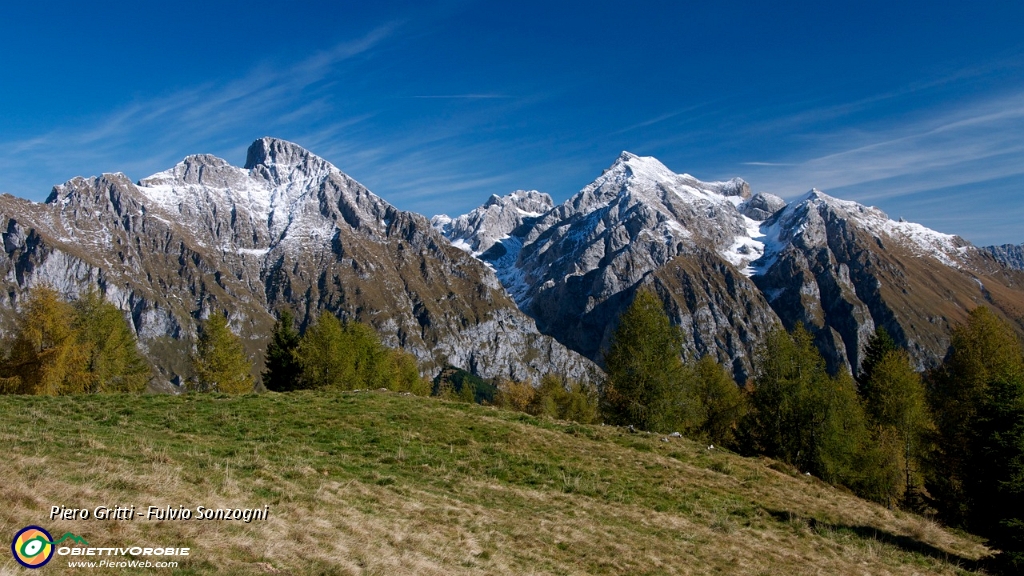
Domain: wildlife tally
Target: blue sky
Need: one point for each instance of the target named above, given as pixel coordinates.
(915, 107)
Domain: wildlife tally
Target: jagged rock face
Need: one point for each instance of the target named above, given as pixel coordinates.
(577, 266)
(762, 206)
(1010, 255)
(480, 229)
(842, 269)
(289, 230)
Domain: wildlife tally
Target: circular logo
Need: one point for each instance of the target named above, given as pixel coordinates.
(32, 547)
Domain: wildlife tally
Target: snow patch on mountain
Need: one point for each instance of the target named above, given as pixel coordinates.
(285, 196)
(747, 248)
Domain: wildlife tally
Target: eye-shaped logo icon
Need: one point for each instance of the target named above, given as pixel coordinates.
(32, 547)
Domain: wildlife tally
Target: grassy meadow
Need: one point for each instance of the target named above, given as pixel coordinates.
(383, 483)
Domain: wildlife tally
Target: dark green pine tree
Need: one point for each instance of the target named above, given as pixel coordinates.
(982, 351)
(880, 344)
(996, 484)
(282, 367)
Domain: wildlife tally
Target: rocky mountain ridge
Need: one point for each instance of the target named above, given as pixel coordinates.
(729, 265)
(515, 288)
(576, 267)
(288, 230)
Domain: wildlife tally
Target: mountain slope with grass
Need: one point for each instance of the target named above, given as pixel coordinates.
(381, 483)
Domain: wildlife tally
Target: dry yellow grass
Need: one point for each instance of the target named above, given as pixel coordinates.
(378, 483)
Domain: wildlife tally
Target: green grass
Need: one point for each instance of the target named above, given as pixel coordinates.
(382, 483)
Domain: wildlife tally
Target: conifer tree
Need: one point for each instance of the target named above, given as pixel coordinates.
(220, 363)
(978, 401)
(406, 374)
(344, 356)
(114, 361)
(995, 484)
(900, 420)
(371, 360)
(982, 351)
(721, 401)
(800, 414)
(580, 403)
(467, 392)
(645, 369)
(322, 357)
(46, 357)
(282, 367)
(514, 395)
(880, 344)
(551, 394)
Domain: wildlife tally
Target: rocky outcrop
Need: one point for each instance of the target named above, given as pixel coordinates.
(762, 206)
(288, 230)
(1010, 255)
(481, 228)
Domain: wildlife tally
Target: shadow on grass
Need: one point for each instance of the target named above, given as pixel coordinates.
(905, 543)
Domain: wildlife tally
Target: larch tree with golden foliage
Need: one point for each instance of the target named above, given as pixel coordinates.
(47, 357)
(114, 362)
(219, 362)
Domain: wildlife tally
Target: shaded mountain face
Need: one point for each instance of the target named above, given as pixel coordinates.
(287, 230)
(729, 266)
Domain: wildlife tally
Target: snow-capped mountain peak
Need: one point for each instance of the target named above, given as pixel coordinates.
(806, 222)
(274, 152)
(283, 196)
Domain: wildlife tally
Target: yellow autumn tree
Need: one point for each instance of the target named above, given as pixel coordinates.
(219, 361)
(47, 356)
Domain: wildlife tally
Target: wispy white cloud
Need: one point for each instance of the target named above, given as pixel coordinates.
(959, 169)
(685, 113)
(974, 142)
(147, 134)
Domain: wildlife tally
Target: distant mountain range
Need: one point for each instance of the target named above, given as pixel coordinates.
(1011, 255)
(517, 287)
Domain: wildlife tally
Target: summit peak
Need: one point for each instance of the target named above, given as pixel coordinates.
(269, 151)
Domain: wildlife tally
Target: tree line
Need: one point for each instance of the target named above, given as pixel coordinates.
(948, 442)
(60, 347)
